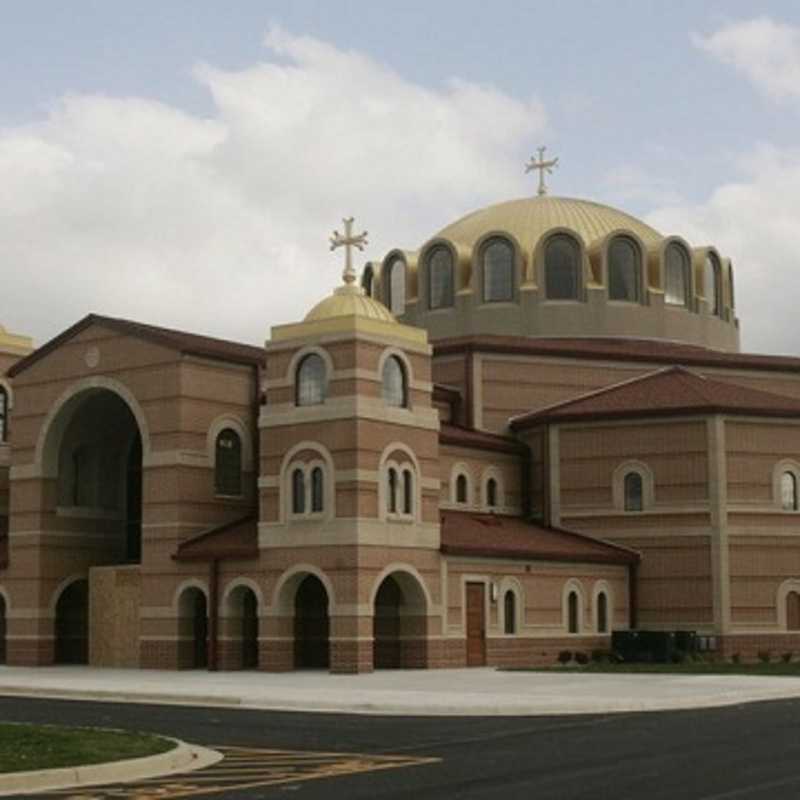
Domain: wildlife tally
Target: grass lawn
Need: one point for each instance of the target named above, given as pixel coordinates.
(31, 747)
(778, 668)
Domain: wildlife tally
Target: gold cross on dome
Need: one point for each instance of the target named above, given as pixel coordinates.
(543, 167)
(348, 241)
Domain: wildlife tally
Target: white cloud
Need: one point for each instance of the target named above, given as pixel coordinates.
(754, 221)
(130, 207)
(765, 51)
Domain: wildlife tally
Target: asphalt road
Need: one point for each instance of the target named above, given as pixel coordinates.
(749, 751)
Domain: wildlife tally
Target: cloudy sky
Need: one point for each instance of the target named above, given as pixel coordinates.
(182, 162)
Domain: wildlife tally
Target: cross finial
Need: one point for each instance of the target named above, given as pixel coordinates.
(543, 167)
(348, 241)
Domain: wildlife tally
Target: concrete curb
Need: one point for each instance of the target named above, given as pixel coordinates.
(182, 758)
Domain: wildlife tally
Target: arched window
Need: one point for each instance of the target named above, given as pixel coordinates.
(562, 268)
(572, 612)
(510, 612)
(730, 284)
(634, 492)
(228, 463)
(440, 277)
(676, 282)
(3, 414)
(317, 490)
(461, 489)
(497, 260)
(491, 493)
(793, 611)
(396, 286)
(368, 280)
(711, 284)
(395, 388)
(408, 492)
(624, 270)
(789, 491)
(602, 613)
(312, 381)
(391, 491)
(298, 492)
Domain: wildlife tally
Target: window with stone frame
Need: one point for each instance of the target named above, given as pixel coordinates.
(497, 262)
(396, 286)
(602, 612)
(712, 286)
(228, 463)
(562, 268)
(298, 491)
(624, 270)
(633, 486)
(789, 491)
(439, 262)
(573, 614)
(312, 381)
(394, 383)
(462, 489)
(317, 490)
(677, 266)
(509, 612)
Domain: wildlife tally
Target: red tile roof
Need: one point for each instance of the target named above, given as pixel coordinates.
(497, 536)
(480, 440)
(183, 342)
(236, 539)
(668, 392)
(653, 351)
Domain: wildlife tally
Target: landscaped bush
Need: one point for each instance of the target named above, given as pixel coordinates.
(582, 659)
(764, 656)
(787, 658)
(565, 656)
(736, 658)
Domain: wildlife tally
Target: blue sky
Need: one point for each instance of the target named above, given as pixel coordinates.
(683, 113)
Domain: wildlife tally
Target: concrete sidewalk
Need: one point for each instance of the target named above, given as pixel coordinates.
(477, 692)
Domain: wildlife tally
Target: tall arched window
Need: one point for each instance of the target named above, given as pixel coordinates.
(368, 280)
(711, 284)
(491, 493)
(509, 612)
(624, 270)
(312, 381)
(461, 489)
(408, 492)
(676, 282)
(317, 490)
(793, 611)
(298, 492)
(228, 463)
(634, 492)
(789, 491)
(497, 262)
(573, 621)
(395, 385)
(730, 285)
(562, 264)
(440, 277)
(396, 286)
(391, 491)
(602, 613)
(3, 414)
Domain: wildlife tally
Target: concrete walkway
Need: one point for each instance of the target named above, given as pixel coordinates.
(476, 692)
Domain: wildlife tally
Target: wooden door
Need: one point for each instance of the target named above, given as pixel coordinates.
(476, 625)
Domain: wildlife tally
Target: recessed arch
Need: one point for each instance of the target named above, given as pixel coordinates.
(573, 610)
(71, 622)
(509, 627)
(620, 483)
(461, 485)
(286, 588)
(291, 463)
(238, 425)
(786, 468)
(787, 604)
(602, 589)
(236, 583)
(562, 255)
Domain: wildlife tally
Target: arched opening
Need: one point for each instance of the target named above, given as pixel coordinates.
(624, 270)
(634, 492)
(2, 629)
(676, 282)
(311, 382)
(193, 629)
(228, 463)
(509, 612)
(497, 257)
(462, 489)
(243, 628)
(396, 286)
(394, 383)
(311, 625)
(72, 624)
(562, 268)
(793, 611)
(440, 277)
(602, 613)
(399, 623)
(573, 617)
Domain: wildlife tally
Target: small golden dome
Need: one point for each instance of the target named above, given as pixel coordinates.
(349, 301)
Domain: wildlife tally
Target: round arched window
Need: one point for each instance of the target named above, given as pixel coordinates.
(624, 270)
(634, 492)
(462, 489)
(396, 286)
(395, 384)
(440, 277)
(368, 280)
(789, 492)
(509, 612)
(676, 279)
(711, 284)
(228, 464)
(562, 268)
(497, 261)
(311, 383)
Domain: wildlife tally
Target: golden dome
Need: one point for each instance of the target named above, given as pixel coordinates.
(349, 301)
(530, 218)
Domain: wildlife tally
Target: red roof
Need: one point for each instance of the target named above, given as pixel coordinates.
(653, 351)
(183, 342)
(496, 536)
(667, 392)
(237, 539)
(479, 440)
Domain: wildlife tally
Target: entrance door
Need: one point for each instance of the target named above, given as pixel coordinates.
(476, 625)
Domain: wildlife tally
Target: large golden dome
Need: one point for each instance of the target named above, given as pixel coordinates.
(530, 218)
(349, 301)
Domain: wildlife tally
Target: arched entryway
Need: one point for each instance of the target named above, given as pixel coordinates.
(193, 629)
(242, 629)
(400, 623)
(311, 625)
(72, 624)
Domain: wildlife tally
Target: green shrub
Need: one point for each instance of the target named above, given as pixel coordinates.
(736, 658)
(601, 656)
(582, 659)
(764, 656)
(678, 656)
(565, 656)
(787, 658)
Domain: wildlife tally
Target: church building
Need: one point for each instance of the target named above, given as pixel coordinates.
(534, 430)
